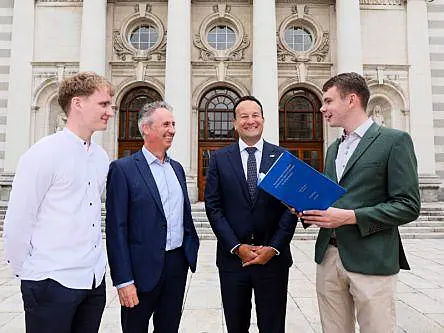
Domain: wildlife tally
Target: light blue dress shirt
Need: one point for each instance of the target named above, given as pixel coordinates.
(171, 195)
(172, 200)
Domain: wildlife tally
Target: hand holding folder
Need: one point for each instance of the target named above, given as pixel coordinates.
(298, 185)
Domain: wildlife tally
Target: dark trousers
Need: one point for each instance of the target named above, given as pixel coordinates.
(164, 302)
(53, 308)
(270, 294)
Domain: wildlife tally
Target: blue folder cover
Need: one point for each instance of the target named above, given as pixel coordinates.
(298, 185)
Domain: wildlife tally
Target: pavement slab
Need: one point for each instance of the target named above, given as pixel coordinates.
(420, 295)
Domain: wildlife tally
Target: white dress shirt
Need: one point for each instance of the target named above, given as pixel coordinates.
(53, 222)
(348, 146)
(244, 154)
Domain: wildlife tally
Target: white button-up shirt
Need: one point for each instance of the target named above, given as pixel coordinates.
(53, 222)
(257, 154)
(348, 146)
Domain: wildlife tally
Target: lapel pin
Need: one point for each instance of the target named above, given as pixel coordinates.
(272, 155)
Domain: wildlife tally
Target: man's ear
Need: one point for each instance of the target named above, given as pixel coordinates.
(354, 100)
(76, 103)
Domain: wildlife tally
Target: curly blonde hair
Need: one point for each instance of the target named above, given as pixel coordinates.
(81, 84)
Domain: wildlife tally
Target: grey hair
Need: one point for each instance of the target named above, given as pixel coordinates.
(147, 110)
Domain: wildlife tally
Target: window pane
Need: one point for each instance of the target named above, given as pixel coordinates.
(221, 37)
(298, 39)
(219, 112)
(144, 37)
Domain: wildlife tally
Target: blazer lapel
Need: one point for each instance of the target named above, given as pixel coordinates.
(269, 155)
(147, 176)
(236, 162)
(369, 136)
(176, 169)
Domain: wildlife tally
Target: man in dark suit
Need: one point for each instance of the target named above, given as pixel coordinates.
(253, 229)
(358, 249)
(151, 239)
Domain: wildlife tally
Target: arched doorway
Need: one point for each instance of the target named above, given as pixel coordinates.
(130, 139)
(215, 127)
(300, 126)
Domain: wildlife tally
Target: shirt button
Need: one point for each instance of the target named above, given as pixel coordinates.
(95, 246)
(89, 183)
(84, 142)
(93, 224)
(90, 203)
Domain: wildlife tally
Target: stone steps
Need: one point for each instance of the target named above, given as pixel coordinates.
(430, 223)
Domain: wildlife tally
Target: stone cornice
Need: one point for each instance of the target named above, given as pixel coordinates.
(59, 1)
(383, 2)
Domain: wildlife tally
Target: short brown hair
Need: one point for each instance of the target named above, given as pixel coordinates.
(81, 84)
(348, 83)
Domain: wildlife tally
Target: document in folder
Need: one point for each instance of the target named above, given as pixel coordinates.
(298, 185)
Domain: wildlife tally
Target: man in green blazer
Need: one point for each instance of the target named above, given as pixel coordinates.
(358, 249)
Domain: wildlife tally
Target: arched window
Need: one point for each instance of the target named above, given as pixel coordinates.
(299, 116)
(130, 139)
(216, 114)
(215, 127)
(300, 126)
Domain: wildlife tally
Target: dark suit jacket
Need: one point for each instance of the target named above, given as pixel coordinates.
(235, 218)
(136, 226)
(382, 187)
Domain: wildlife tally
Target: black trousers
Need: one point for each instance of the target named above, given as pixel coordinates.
(270, 293)
(53, 308)
(164, 302)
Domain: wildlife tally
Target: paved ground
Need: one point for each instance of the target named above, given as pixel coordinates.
(420, 298)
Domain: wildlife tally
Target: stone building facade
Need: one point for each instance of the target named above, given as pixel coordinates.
(201, 55)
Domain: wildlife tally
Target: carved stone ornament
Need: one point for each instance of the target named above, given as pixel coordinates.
(321, 52)
(221, 16)
(321, 39)
(208, 53)
(123, 48)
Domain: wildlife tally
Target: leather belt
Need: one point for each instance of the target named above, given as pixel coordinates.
(333, 241)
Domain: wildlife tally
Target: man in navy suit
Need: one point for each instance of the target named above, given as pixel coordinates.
(151, 239)
(253, 229)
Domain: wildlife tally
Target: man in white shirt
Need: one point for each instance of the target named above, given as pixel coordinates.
(53, 224)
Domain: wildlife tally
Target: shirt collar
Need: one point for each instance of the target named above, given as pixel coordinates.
(360, 131)
(259, 145)
(150, 158)
(78, 140)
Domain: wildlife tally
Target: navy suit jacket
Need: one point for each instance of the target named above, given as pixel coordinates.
(136, 227)
(236, 218)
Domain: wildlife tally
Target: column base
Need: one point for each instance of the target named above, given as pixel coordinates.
(193, 192)
(6, 179)
(429, 185)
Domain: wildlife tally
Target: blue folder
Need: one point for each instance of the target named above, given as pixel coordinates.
(298, 185)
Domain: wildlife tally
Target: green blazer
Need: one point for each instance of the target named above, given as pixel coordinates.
(382, 188)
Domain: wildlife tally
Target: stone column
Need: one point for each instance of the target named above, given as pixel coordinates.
(20, 83)
(93, 37)
(178, 82)
(93, 43)
(420, 97)
(265, 73)
(349, 45)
